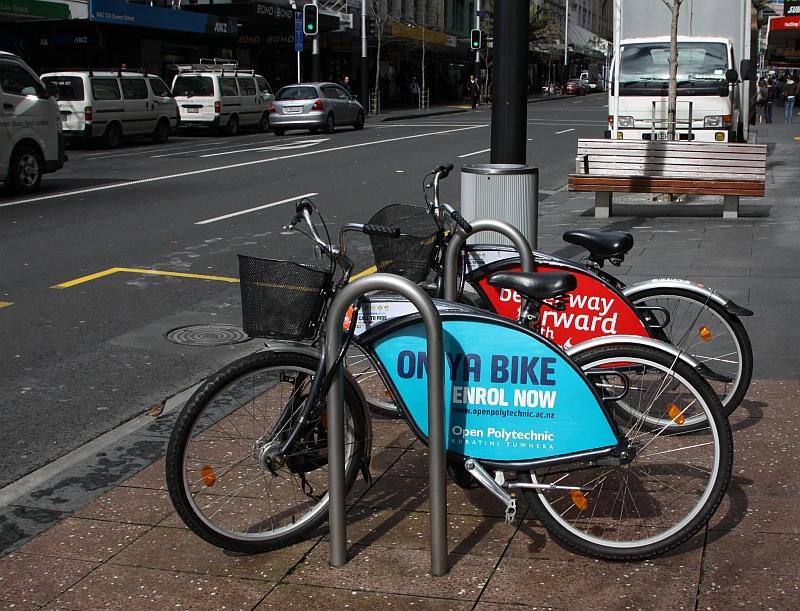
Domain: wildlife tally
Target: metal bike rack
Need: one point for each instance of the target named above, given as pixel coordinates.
(460, 238)
(436, 433)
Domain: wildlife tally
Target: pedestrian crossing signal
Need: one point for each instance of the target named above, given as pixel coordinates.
(475, 40)
(310, 20)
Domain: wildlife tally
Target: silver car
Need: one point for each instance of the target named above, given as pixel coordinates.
(314, 106)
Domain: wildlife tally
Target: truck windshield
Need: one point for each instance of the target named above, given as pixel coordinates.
(648, 63)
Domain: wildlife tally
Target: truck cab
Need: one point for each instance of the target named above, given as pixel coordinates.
(711, 100)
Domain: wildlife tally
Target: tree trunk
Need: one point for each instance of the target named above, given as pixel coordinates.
(378, 63)
(672, 101)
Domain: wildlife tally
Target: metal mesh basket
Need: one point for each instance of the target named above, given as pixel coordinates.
(281, 299)
(413, 254)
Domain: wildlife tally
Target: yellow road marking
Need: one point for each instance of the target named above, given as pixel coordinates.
(158, 272)
(5, 304)
(797, 137)
(133, 270)
(366, 272)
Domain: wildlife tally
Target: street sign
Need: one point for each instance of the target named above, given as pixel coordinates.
(298, 31)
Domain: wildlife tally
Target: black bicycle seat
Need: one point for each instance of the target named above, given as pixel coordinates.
(601, 244)
(535, 285)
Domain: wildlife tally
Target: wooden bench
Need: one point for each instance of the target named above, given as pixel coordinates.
(642, 166)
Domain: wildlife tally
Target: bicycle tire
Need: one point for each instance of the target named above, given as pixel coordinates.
(221, 489)
(654, 502)
(726, 335)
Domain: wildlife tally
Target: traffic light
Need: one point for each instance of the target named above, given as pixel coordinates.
(475, 40)
(310, 20)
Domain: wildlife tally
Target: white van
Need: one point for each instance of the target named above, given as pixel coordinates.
(31, 140)
(221, 95)
(113, 105)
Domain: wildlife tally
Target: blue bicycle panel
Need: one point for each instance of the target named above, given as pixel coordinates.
(508, 395)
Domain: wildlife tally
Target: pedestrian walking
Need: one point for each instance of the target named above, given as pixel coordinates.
(413, 88)
(761, 101)
(771, 93)
(474, 90)
(790, 92)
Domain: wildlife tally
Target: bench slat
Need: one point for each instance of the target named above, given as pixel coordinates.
(653, 185)
(655, 170)
(678, 161)
(662, 145)
(674, 156)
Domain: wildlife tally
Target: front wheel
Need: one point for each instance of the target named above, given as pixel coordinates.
(668, 484)
(263, 123)
(226, 477)
(360, 119)
(330, 126)
(25, 169)
(709, 334)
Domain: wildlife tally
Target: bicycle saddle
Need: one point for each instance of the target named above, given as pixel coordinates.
(601, 244)
(535, 285)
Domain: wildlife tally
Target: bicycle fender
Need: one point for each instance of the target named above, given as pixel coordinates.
(705, 292)
(290, 346)
(635, 339)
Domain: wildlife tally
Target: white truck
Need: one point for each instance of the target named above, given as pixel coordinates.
(714, 70)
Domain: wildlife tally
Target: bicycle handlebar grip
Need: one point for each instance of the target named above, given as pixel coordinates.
(444, 170)
(381, 230)
(461, 221)
(303, 204)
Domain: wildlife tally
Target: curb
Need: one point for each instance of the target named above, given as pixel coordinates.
(423, 114)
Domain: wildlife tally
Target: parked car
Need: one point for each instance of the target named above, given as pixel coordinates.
(576, 87)
(222, 95)
(112, 105)
(314, 106)
(31, 140)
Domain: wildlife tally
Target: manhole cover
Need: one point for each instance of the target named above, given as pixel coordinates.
(206, 335)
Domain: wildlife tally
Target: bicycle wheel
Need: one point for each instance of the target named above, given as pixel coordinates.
(226, 484)
(379, 397)
(710, 335)
(669, 485)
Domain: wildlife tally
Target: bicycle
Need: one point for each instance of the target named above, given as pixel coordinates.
(247, 462)
(692, 317)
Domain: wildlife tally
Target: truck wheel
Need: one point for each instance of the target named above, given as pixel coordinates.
(232, 128)
(263, 124)
(25, 169)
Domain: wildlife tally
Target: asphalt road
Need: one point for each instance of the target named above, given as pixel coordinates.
(78, 361)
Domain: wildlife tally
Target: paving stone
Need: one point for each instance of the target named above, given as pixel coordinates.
(172, 549)
(81, 539)
(28, 578)
(151, 476)
(411, 530)
(504, 607)
(114, 587)
(721, 592)
(7, 604)
(749, 555)
(598, 585)
(755, 512)
(293, 596)
(391, 433)
(767, 456)
(129, 505)
(396, 570)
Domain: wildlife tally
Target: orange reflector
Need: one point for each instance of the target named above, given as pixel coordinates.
(675, 413)
(705, 334)
(209, 479)
(579, 499)
(323, 420)
(388, 394)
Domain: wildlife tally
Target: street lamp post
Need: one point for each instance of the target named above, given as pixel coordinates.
(477, 65)
(364, 64)
(315, 57)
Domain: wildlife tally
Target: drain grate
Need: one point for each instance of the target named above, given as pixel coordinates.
(543, 195)
(206, 335)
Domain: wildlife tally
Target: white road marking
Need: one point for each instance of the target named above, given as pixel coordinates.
(475, 153)
(276, 147)
(130, 183)
(257, 208)
(141, 151)
(564, 131)
(211, 148)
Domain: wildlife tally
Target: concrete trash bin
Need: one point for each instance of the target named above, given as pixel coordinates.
(504, 192)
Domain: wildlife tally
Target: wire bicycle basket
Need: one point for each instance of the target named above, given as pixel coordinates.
(413, 254)
(281, 299)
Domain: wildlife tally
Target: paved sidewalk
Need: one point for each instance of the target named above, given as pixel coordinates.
(123, 547)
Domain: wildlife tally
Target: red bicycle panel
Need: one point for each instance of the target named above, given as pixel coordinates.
(592, 309)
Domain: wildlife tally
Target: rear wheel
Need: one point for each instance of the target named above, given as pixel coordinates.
(263, 123)
(232, 128)
(709, 334)
(25, 169)
(278, 131)
(161, 133)
(225, 474)
(670, 483)
(113, 136)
